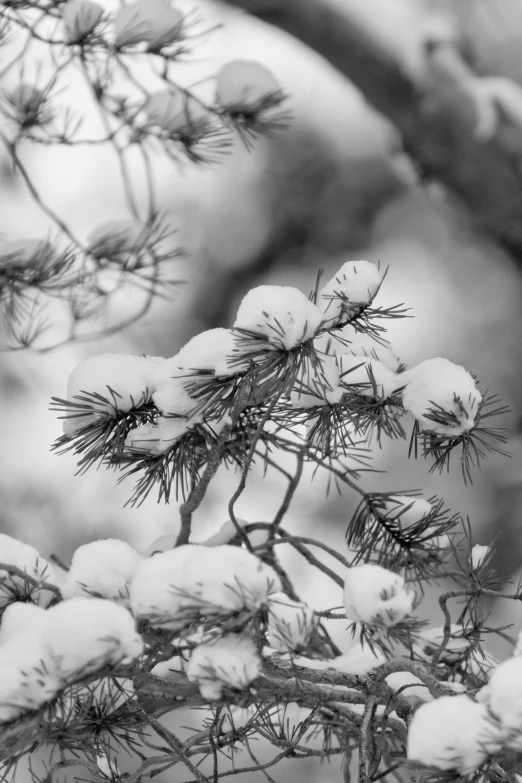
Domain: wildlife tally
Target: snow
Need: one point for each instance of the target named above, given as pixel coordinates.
(359, 370)
(26, 253)
(478, 555)
(25, 682)
(155, 588)
(434, 384)
(229, 579)
(504, 699)
(27, 559)
(80, 17)
(172, 398)
(243, 85)
(290, 623)
(355, 284)
(174, 587)
(124, 380)
(452, 732)
(376, 596)
(216, 350)
(102, 568)
(43, 650)
(116, 238)
(82, 635)
(17, 617)
(169, 669)
(406, 511)
(157, 437)
(154, 22)
(280, 313)
(359, 660)
(230, 661)
(227, 532)
(412, 685)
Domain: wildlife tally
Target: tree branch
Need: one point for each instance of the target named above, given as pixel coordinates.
(437, 120)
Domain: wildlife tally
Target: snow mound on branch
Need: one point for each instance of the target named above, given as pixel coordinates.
(354, 285)
(290, 623)
(173, 588)
(82, 635)
(27, 559)
(230, 661)
(452, 732)
(216, 350)
(407, 511)
(102, 569)
(123, 381)
(281, 314)
(439, 384)
(376, 596)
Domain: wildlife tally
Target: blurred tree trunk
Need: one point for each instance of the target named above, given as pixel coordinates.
(436, 117)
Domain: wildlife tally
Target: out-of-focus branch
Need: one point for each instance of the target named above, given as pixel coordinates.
(436, 119)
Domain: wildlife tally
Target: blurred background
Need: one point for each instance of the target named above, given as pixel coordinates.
(334, 186)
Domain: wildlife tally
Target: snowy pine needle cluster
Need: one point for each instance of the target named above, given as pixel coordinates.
(120, 637)
(125, 64)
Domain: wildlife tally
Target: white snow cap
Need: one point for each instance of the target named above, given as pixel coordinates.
(84, 634)
(27, 559)
(351, 341)
(244, 85)
(438, 383)
(478, 555)
(102, 569)
(369, 377)
(27, 253)
(359, 660)
(154, 22)
(355, 284)
(231, 660)
(131, 379)
(26, 680)
(376, 596)
(156, 589)
(17, 617)
(406, 511)
(170, 669)
(412, 685)
(175, 587)
(452, 732)
(430, 640)
(282, 314)
(217, 350)
(290, 623)
(503, 695)
(159, 436)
